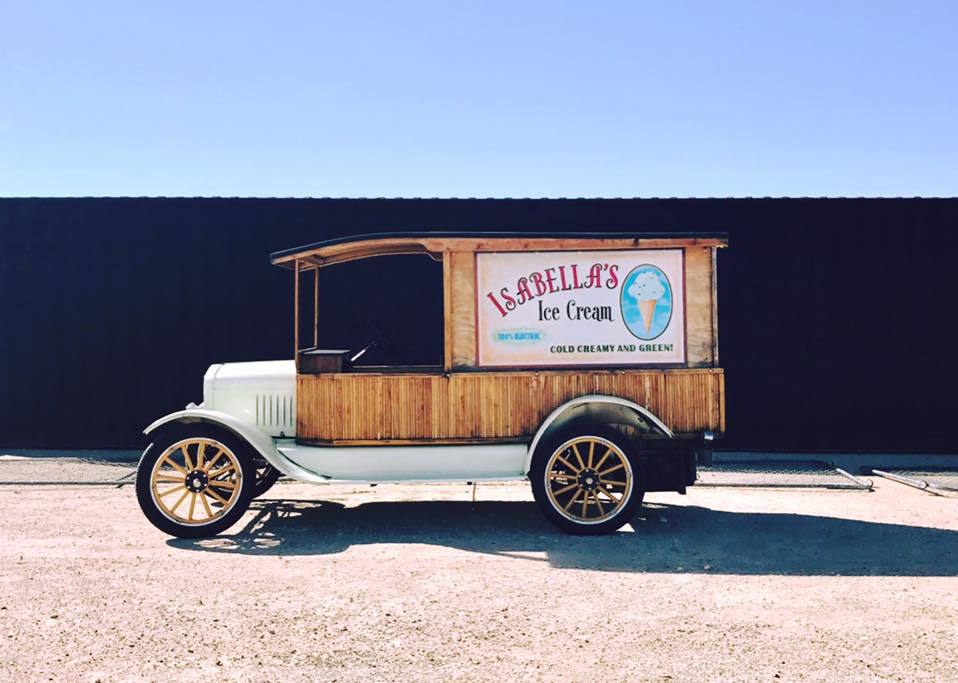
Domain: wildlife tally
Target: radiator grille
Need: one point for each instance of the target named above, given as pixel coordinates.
(275, 410)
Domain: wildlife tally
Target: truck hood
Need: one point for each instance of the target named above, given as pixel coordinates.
(260, 393)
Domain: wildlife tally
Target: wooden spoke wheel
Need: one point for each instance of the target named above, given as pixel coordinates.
(196, 480)
(195, 484)
(585, 483)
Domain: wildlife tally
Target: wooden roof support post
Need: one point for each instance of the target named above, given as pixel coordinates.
(296, 314)
(714, 296)
(447, 310)
(315, 308)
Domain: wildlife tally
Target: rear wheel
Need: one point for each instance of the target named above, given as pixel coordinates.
(584, 480)
(195, 481)
(266, 476)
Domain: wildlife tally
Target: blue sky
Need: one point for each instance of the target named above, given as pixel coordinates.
(601, 99)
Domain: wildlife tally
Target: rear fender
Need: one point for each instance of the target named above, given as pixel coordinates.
(597, 408)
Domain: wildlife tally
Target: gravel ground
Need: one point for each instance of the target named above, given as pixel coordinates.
(16, 468)
(417, 582)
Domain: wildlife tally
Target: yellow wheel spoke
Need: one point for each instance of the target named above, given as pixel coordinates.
(186, 456)
(215, 495)
(578, 457)
(169, 491)
(598, 503)
(591, 453)
(169, 479)
(222, 470)
(169, 461)
(199, 455)
(206, 506)
(608, 452)
(569, 504)
(585, 501)
(209, 465)
(177, 503)
(612, 482)
(568, 464)
(224, 484)
(192, 506)
(612, 469)
(608, 493)
(563, 490)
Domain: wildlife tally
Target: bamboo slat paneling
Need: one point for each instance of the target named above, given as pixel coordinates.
(491, 405)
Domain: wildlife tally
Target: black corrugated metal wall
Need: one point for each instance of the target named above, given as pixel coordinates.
(835, 315)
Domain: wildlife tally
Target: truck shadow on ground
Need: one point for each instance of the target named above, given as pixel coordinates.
(690, 539)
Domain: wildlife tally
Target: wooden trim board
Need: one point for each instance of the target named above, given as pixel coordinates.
(340, 252)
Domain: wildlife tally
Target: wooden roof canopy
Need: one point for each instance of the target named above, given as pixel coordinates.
(435, 244)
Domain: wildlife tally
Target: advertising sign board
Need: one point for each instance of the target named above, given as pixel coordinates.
(618, 308)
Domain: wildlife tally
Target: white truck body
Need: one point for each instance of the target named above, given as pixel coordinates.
(257, 401)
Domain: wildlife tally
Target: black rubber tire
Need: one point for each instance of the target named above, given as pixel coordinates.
(537, 476)
(266, 476)
(164, 440)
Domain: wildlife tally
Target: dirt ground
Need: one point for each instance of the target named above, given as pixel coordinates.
(416, 582)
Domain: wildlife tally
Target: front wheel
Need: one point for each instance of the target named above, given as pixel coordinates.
(584, 481)
(195, 481)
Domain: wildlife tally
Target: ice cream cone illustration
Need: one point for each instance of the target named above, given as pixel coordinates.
(647, 311)
(647, 289)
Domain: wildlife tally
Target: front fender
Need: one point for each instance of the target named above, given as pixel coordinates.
(260, 441)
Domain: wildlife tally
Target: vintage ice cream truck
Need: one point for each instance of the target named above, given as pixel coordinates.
(586, 363)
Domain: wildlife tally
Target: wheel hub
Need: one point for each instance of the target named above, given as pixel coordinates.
(588, 479)
(197, 481)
